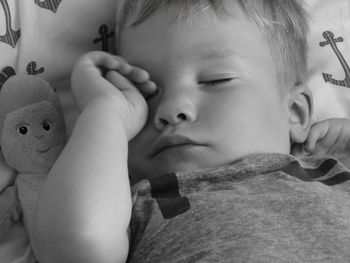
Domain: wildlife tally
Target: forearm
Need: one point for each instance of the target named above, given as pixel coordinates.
(85, 205)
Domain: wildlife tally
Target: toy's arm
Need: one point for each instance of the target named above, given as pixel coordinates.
(83, 212)
(8, 174)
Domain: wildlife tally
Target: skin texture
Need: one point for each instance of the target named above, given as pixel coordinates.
(182, 95)
(328, 137)
(217, 88)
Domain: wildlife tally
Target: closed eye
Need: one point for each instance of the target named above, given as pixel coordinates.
(215, 82)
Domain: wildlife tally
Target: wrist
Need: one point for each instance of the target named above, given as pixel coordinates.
(106, 116)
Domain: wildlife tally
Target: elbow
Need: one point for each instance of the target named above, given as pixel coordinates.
(80, 245)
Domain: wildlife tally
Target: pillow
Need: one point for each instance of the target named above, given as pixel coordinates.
(45, 38)
(329, 57)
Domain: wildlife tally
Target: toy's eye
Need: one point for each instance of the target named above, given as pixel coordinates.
(23, 130)
(46, 125)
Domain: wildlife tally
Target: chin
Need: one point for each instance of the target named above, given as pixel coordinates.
(149, 171)
(167, 168)
(179, 167)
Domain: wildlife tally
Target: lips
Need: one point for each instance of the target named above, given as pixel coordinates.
(165, 143)
(43, 150)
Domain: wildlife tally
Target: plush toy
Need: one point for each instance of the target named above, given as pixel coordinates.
(32, 135)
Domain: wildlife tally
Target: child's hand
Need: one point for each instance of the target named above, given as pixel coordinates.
(102, 78)
(330, 137)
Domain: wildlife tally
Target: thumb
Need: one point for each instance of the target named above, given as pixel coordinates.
(297, 149)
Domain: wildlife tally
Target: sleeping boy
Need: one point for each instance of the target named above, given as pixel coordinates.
(198, 112)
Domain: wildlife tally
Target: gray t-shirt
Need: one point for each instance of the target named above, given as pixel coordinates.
(262, 208)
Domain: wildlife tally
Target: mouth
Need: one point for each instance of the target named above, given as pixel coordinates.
(44, 150)
(171, 142)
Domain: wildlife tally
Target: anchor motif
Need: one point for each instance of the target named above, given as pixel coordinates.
(49, 4)
(32, 69)
(105, 35)
(330, 40)
(7, 72)
(11, 36)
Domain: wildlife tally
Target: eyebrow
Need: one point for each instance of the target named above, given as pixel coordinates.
(217, 53)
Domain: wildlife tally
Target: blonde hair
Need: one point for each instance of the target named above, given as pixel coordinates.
(284, 22)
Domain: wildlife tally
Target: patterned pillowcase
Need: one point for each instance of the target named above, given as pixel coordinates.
(46, 37)
(329, 57)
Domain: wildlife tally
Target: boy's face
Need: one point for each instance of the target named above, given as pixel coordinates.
(219, 95)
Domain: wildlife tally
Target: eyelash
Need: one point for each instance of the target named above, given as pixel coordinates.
(215, 82)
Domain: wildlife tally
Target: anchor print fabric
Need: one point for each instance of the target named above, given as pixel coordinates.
(47, 36)
(329, 57)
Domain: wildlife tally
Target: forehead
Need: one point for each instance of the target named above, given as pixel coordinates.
(203, 35)
(133, 12)
(32, 113)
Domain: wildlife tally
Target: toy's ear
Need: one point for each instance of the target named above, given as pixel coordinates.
(23, 90)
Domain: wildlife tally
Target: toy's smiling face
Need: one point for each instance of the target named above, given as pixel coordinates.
(33, 137)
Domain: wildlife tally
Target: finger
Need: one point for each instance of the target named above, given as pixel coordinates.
(147, 88)
(319, 150)
(123, 69)
(119, 81)
(325, 144)
(297, 149)
(318, 131)
(141, 79)
(105, 62)
(138, 75)
(335, 138)
(127, 88)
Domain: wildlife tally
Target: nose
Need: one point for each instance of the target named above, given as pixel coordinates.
(40, 136)
(173, 111)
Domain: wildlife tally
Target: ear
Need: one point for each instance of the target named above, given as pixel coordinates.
(300, 109)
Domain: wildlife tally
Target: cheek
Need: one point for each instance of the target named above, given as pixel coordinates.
(224, 113)
(14, 148)
(25, 146)
(245, 119)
